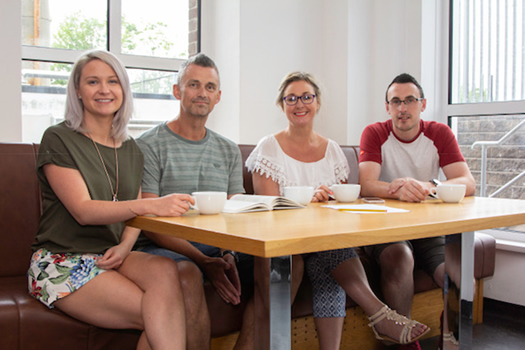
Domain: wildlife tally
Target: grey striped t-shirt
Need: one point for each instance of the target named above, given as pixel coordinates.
(173, 164)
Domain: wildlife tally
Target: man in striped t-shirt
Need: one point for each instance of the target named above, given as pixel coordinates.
(402, 158)
(183, 156)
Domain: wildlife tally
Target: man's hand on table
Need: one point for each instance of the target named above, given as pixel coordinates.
(409, 190)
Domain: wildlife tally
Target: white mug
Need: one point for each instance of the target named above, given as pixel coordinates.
(346, 193)
(209, 202)
(301, 194)
(449, 193)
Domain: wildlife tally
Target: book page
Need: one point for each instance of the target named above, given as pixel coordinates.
(241, 206)
(242, 203)
(286, 203)
(253, 198)
(276, 202)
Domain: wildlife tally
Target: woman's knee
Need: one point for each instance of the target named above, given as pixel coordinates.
(162, 269)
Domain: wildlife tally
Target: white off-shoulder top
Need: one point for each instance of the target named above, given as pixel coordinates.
(269, 159)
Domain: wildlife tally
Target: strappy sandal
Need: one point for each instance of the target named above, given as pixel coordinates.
(450, 338)
(392, 315)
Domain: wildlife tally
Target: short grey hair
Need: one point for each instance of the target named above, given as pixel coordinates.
(74, 114)
(200, 60)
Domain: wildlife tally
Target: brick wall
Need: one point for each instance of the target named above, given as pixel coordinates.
(503, 162)
(193, 26)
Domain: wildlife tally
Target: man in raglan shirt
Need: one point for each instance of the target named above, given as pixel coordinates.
(402, 158)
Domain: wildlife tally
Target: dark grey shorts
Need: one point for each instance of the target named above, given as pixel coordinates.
(428, 253)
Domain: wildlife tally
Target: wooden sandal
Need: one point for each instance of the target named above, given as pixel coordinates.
(392, 315)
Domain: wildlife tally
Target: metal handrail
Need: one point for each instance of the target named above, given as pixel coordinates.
(508, 184)
(484, 145)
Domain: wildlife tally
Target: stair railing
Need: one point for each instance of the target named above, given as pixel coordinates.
(484, 146)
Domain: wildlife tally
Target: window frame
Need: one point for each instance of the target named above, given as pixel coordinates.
(55, 55)
(140, 121)
(452, 110)
(473, 108)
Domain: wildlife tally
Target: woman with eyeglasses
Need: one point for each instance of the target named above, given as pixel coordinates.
(298, 156)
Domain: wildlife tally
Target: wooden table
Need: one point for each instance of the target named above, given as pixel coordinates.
(279, 234)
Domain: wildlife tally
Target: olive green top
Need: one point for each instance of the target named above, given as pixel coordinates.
(58, 231)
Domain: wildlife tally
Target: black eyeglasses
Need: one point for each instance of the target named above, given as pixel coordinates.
(408, 101)
(291, 100)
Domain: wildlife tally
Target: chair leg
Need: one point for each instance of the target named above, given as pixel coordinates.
(478, 303)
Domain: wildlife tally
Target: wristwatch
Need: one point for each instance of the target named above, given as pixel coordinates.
(235, 256)
(435, 182)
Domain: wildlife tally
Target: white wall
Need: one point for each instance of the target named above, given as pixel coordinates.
(507, 283)
(509, 277)
(353, 47)
(10, 69)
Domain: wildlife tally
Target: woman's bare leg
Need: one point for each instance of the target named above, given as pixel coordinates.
(329, 331)
(144, 293)
(352, 277)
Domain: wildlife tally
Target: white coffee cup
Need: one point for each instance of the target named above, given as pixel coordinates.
(346, 193)
(301, 194)
(209, 202)
(449, 193)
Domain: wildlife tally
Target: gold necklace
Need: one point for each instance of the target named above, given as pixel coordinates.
(114, 194)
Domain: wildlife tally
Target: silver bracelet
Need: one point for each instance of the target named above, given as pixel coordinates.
(235, 256)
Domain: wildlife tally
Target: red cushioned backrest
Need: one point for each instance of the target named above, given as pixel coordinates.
(20, 206)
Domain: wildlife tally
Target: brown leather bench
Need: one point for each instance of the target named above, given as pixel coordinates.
(27, 324)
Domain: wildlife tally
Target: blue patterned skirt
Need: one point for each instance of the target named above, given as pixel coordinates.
(329, 298)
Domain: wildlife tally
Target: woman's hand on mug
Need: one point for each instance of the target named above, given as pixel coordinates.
(173, 204)
(322, 194)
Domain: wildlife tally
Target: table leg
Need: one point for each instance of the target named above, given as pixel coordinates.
(451, 286)
(272, 303)
(467, 290)
(459, 287)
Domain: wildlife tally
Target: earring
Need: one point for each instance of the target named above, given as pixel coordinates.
(79, 97)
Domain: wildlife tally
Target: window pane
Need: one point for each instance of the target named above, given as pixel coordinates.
(152, 82)
(488, 58)
(153, 99)
(504, 162)
(158, 29)
(65, 24)
(44, 97)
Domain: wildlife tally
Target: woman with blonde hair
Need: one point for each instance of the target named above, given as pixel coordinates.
(90, 173)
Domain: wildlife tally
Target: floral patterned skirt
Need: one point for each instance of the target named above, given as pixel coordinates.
(55, 276)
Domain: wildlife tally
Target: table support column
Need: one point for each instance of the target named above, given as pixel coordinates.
(459, 287)
(467, 290)
(272, 296)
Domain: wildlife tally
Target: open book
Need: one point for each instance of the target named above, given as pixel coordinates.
(245, 203)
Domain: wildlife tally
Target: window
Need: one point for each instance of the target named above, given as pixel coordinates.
(487, 93)
(494, 147)
(488, 57)
(152, 41)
